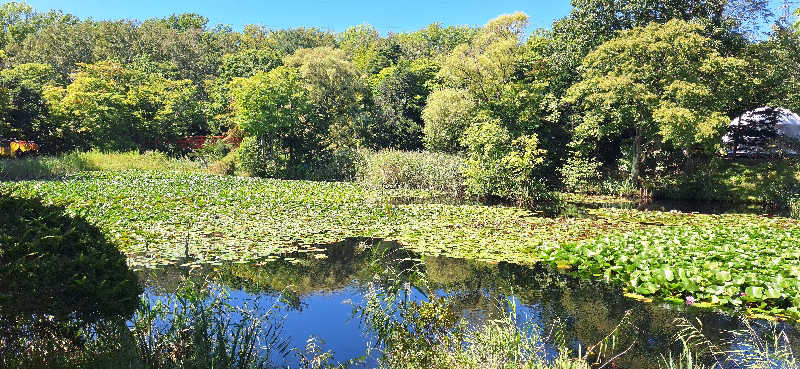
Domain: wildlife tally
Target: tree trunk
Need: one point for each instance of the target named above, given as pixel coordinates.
(636, 161)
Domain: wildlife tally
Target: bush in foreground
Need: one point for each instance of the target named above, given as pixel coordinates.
(59, 277)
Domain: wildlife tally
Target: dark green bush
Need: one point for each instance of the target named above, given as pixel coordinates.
(336, 165)
(260, 158)
(59, 276)
(212, 151)
(260, 161)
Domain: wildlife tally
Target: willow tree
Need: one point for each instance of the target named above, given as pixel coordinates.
(491, 106)
(335, 89)
(656, 86)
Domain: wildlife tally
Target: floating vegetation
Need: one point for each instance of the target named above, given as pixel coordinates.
(159, 218)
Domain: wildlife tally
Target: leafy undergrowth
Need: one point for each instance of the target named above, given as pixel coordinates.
(159, 217)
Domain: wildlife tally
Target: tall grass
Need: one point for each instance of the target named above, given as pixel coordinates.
(52, 167)
(760, 345)
(197, 326)
(394, 169)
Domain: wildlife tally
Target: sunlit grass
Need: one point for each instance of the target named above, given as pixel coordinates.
(53, 167)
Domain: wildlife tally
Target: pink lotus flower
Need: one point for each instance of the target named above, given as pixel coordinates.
(690, 300)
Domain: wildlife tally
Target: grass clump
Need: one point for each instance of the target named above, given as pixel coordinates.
(150, 160)
(52, 167)
(194, 326)
(43, 167)
(394, 169)
(759, 345)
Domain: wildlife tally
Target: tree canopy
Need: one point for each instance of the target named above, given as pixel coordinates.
(634, 88)
(659, 84)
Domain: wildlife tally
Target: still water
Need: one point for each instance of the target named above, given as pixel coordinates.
(320, 286)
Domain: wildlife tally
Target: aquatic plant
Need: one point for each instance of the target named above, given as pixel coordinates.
(736, 260)
(197, 326)
(429, 333)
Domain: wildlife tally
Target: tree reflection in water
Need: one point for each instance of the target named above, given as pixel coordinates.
(317, 279)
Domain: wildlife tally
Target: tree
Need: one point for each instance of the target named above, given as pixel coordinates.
(274, 110)
(491, 69)
(773, 75)
(288, 41)
(399, 94)
(244, 63)
(110, 107)
(500, 164)
(335, 89)
(16, 22)
(434, 40)
(797, 22)
(62, 45)
(185, 21)
(659, 84)
(25, 110)
(448, 113)
(593, 22)
(500, 109)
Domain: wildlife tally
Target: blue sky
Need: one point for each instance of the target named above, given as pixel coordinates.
(335, 15)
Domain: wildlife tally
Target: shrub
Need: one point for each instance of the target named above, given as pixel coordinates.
(336, 165)
(212, 151)
(501, 166)
(581, 174)
(393, 169)
(777, 190)
(225, 166)
(259, 159)
(59, 275)
(48, 256)
(794, 207)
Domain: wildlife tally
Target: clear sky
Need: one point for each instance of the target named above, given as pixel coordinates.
(334, 15)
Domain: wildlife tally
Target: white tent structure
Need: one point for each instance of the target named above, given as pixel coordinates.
(781, 123)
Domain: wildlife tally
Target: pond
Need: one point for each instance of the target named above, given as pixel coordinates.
(319, 287)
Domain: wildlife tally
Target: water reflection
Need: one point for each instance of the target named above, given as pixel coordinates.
(320, 284)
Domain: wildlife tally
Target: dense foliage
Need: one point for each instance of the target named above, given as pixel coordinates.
(47, 255)
(661, 89)
(59, 275)
(627, 90)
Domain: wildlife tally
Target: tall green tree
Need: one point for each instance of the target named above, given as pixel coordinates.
(399, 94)
(276, 113)
(335, 88)
(655, 85)
(501, 136)
(110, 107)
(24, 110)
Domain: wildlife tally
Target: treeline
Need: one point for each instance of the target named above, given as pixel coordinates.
(632, 89)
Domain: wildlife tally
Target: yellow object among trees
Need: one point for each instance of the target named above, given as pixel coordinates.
(15, 148)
